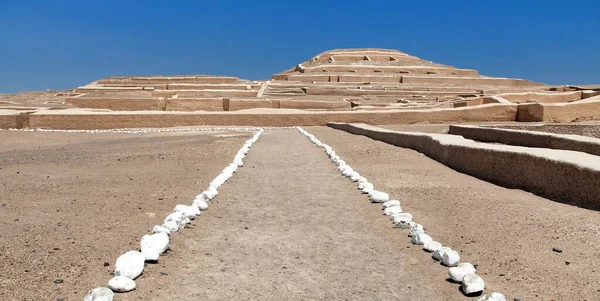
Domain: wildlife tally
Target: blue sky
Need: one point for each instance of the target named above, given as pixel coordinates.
(64, 44)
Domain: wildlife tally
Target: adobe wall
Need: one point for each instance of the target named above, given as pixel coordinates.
(577, 111)
(528, 138)
(89, 119)
(582, 129)
(194, 104)
(467, 81)
(390, 69)
(565, 176)
(116, 104)
(314, 104)
(542, 97)
(12, 119)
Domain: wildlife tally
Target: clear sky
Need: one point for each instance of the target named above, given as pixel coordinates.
(63, 44)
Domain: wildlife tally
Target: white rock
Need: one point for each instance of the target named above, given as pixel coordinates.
(361, 185)
(201, 197)
(99, 294)
(439, 254)
(392, 210)
(172, 226)
(368, 187)
(177, 217)
(160, 229)
(421, 239)
(491, 297)
(404, 223)
(121, 284)
(347, 171)
(401, 216)
(188, 211)
(208, 195)
(130, 265)
(432, 246)
(471, 284)
(416, 229)
(391, 203)
(379, 196)
(458, 272)
(201, 204)
(450, 258)
(154, 245)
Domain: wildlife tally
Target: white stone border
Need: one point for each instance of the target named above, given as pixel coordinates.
(130, 265)
(458, 272)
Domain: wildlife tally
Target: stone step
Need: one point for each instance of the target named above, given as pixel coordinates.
(472, 81)
(205, 93)
(180, 86)
(142, 80)
(101, 89)
(389, 69)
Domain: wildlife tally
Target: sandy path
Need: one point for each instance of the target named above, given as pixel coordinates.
(69, 203)
(287, 226)
(509, 233)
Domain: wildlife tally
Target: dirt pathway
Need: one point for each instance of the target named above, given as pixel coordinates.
(287, 226)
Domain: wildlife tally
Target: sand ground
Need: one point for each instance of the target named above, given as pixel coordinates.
(509, 233)
(72, 203)
(287, 226)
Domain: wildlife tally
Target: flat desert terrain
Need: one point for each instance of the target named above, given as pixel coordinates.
(287, 226)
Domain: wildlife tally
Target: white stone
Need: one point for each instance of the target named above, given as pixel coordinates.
(154, 245)
(121, 284)
(347, 171)
(172, 226)
(368, 188)
(201, 204)
(130, 265)
(491, 297)
(416, 229)
(391, 203)
(379, 196)
(392, 210)
(402, 216)
(188, 211)
(421, 239)
(432, 246)
(439, 254)
(404, 223)
(471, 284)
(177, 217)
(99, 294)
(160, 229)
(458, 272)
(450, 258)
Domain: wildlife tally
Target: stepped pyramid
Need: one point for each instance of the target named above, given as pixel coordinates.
(371, 77)
(340, 79)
